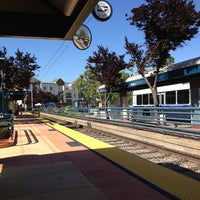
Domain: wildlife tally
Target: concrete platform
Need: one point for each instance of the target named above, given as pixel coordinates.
(50, 161)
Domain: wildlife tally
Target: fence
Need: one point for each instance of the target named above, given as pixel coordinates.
(6, 125)
(165, 119)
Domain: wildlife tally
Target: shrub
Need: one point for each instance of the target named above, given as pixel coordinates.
(4, 130)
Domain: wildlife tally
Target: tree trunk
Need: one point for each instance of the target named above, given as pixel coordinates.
(156, 104)
(107, 97)
(155, 96)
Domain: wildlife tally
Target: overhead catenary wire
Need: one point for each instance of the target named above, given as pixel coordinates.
(56, 60)
(48, 65)
(52, 57)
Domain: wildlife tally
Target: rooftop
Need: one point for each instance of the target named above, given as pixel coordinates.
(49, 19)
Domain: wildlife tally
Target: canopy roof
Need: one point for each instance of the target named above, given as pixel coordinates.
(51, 19)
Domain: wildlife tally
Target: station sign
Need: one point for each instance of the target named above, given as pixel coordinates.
(102, 11)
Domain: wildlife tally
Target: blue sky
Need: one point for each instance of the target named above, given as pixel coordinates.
(60, 59)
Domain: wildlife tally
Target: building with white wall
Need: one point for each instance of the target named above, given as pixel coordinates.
(67, 92)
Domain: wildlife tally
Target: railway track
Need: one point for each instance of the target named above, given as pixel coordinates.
(179, 162)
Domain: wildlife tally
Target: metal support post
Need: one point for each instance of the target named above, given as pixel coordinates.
(2, 60)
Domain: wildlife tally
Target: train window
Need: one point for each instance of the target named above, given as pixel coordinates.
(145, 99)
(183, 96)
(151, 99)
(171, 97)
(139, 99)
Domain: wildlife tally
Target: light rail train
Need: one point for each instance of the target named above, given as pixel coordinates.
(178, 90)
(175, 94)
(178, 84)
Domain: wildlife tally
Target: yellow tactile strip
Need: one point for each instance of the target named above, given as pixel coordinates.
(174, 183)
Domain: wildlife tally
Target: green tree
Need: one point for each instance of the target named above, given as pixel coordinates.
(82, 33)
(170, 61)
(87, 87)
(105, 68)
(167, 24)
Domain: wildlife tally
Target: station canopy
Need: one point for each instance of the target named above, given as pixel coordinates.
(47, 19)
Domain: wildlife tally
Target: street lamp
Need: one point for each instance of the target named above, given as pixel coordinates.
(2, 63)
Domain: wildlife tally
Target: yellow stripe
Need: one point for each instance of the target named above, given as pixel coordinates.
(88, 141)
(170, 181)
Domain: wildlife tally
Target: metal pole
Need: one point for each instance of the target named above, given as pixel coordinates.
(2, 59)
(2, 92)
(31, 87)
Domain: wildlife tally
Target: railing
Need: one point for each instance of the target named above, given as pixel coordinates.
(165, 119)
(6, 125)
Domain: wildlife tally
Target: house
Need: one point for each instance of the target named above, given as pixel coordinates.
(66, 92)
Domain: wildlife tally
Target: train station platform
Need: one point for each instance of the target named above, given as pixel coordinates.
(45, 160)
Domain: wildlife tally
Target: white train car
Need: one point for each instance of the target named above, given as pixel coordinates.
(178, 89)
(175, 94)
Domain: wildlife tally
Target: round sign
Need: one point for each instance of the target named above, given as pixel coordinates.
(102, 11)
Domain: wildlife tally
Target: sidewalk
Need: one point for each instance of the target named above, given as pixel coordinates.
(45, 164)
(35, 168)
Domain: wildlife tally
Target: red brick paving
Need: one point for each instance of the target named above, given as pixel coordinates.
(113, 182)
